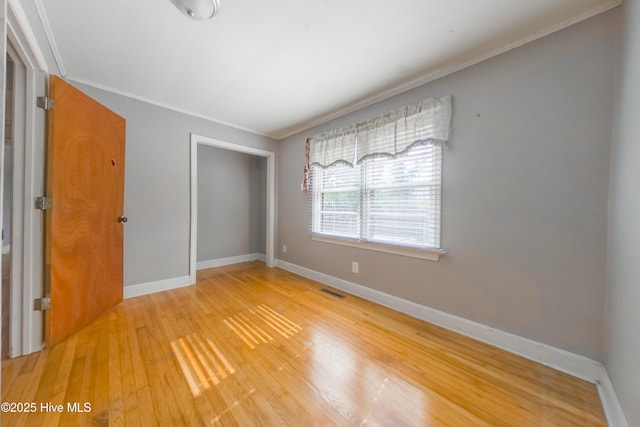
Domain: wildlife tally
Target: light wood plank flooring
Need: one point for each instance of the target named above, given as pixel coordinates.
(252, 346)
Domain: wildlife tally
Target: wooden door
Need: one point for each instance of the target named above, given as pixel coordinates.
(84, 228)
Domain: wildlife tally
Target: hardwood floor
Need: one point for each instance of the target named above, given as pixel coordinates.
(251, 346)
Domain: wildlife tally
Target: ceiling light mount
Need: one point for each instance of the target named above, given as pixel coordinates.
(197, 9)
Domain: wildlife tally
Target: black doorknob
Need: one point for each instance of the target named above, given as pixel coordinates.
(122, 219)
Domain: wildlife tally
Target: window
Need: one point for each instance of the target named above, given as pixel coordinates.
(377, 184)
(382, 200)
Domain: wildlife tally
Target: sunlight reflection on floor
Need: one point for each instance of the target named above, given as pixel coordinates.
(355, 386)
(201, 362)
(251, 325)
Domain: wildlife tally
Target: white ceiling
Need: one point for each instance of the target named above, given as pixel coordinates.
(278, 67)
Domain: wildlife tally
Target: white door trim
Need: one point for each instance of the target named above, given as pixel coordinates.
(28, 264)
(23, 38)
(17, 208)
(271, 193)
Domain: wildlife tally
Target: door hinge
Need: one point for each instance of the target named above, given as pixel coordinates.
(42, 304)
(43, 203)
(44, 102)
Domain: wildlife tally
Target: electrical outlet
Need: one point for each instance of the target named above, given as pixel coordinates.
(284, 249)
(355, 267)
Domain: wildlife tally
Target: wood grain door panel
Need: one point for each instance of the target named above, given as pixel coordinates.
(84, 239)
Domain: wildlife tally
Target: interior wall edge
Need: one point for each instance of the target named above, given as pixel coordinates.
(610, 403)
(220, 262)
(147, 288)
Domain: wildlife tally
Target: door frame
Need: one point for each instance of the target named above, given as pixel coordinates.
(271, 192)
(17, 208)
(27, 333)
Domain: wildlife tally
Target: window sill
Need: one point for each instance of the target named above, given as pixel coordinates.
(428, 254)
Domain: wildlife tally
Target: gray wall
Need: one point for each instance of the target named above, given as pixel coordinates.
(156, 240)
(622, 310)
(231, 203)
(525, 194)
(259, 192)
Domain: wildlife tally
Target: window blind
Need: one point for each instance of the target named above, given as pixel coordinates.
(380, 180)
(384, 200)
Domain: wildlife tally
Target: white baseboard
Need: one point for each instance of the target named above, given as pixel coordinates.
(610, 402)
(219, 262)
(561, 360)
(179, 282)
(158, 286)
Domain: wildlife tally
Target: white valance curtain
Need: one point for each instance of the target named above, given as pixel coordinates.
(389, 135)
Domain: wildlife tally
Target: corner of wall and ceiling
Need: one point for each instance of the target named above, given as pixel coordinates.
(352, 107)
(46, 25)
(446, 70)
(164, 105)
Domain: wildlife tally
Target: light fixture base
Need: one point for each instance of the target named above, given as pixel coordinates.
(199, 10)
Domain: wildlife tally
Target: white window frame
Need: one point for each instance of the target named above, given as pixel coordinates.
(432, 254)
